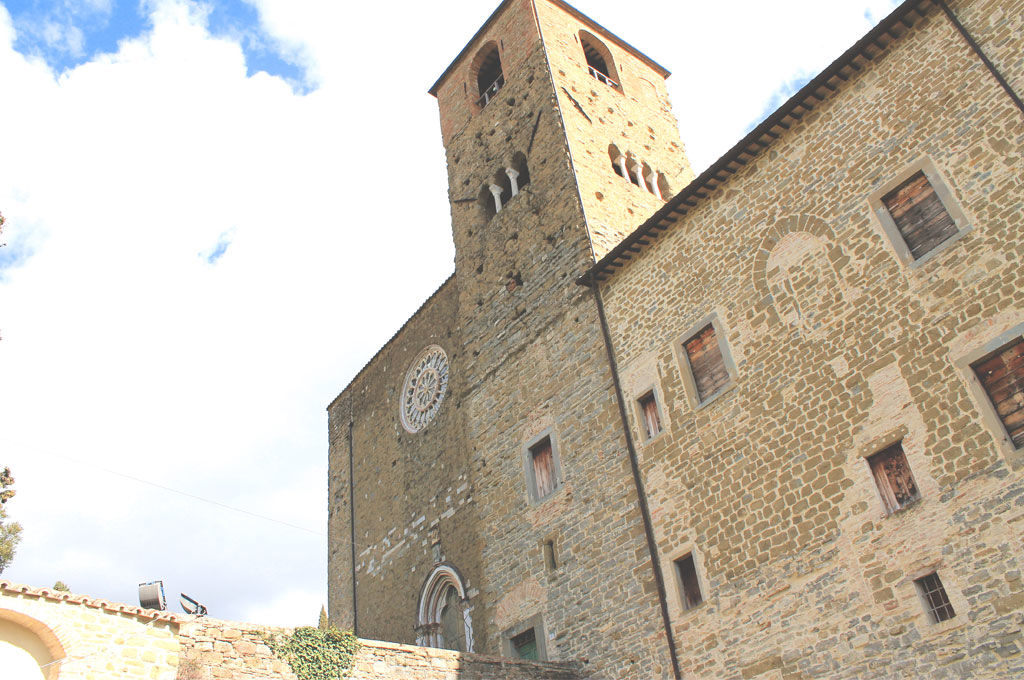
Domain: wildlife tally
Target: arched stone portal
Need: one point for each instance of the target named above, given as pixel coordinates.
(444, 617)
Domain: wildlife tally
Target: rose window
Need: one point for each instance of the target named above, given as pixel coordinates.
(425, 386)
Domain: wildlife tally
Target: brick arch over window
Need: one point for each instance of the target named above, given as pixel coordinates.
(487, 72)
(36, 638)
(600, 63)
(444, 614)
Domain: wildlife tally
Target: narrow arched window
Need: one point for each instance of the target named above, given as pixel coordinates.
(520, 167)
(618, 160)
(489, 76)
(599, 60)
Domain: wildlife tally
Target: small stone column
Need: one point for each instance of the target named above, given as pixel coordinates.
(513, 176)
(496, 192)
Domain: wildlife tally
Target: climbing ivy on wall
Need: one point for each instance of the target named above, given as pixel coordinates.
(315, 654)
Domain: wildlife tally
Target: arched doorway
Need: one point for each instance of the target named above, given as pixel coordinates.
(29, 650)
(444, 618)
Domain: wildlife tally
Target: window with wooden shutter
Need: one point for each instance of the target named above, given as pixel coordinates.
(919, 215)
(543, 461)
(649, 414)
(689, 584)
(1002, 376)
(707, 364)
(892, 475)
(935, 599)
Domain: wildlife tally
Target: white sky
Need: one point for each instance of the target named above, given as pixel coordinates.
(124, 349)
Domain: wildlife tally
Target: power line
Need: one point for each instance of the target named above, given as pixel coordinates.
(164, 487)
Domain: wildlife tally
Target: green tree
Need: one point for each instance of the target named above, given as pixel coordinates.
(61, 587)
(324, 623)
(10, 532)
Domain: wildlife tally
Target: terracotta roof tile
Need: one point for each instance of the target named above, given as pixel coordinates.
(9, 588)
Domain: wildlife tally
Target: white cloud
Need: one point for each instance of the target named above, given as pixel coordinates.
(124, 348)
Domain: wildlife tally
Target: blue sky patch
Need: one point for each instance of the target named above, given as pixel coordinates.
(11, 255)
(218, 250)
(68, 33)
(779, 97)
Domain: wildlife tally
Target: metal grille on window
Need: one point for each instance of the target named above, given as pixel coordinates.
(543, 468)
(707, 363)
(1002, 376)
(919, 215)
(893, 477)
(937, 602)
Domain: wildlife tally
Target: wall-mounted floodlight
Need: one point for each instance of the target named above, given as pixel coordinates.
(191, 606)
(151, 595)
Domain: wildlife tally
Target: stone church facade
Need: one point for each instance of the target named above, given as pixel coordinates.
(765, 422)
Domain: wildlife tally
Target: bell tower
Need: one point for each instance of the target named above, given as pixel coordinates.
(559, 141)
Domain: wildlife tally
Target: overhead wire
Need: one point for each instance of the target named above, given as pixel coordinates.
(169, 489)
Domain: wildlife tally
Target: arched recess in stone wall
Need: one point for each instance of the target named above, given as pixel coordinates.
(799, 266)
(444, 617)
(36, 638)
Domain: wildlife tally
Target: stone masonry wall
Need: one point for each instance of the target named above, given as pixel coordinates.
(389, 661)
(535, 365)
(842, 348)
(636, 117)
(413, 496)
(97, 640)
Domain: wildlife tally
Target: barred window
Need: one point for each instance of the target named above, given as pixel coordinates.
(935, 599)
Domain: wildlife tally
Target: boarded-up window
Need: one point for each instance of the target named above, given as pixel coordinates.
(524, 645)
(689, 585)
(936, 601)
(919, 215)
(893, 477)
(1002, 376)
(706, 362)
(649, 414)
(543, 461)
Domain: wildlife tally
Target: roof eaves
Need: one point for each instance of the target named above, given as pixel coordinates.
(758, 139)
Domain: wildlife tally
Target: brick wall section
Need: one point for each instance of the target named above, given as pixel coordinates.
(997, 26)
(841, 349)
(388, 661)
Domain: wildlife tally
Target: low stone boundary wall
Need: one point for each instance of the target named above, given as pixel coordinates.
(390, 661)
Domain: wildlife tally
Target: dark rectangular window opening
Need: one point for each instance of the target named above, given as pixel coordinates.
(524, 645)
(649, 413)
(543, 461)
(893, 477)
(919, 215)
(935, 599)
(703, 352)
(550, 558)
(1002, 377)
(686, 570)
